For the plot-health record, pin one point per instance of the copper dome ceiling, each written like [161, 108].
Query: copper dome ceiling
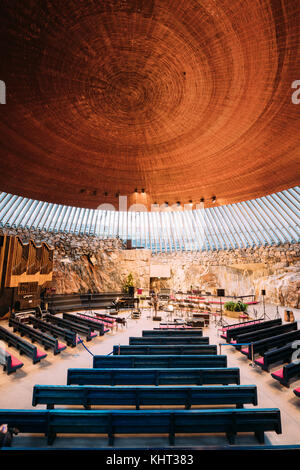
[186, 99]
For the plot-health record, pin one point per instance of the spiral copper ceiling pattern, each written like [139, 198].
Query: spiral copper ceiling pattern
[187, 99]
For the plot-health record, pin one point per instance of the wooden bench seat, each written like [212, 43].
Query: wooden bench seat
[94, 324]
[70, 337]
[167, 376]
[287, 373]
[263, 345]
[230, 332]
[176, 333]
[78, 328]
[148, 361]
[49, 342]
[10, 363]
[273, 356]
[257, 335]
[227, 421]
[23, 346]
[89, 395]
[174, 340]
[205, 349]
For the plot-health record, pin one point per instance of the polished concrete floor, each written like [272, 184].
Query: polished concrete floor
[16, 390]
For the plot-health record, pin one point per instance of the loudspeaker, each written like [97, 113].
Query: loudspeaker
[263, 292]
[131, 290]
[220, 292]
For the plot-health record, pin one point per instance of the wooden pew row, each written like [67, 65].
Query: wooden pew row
[46, 340]
[143, 362]
[175, 333]
[228, 421]
[283, 354]
[260, 347]
[265, 333]
[167, 376]
[173, 340]
[70, 337]
[93, 324]
[107, 325]
[238, 325]
[23, 346]
[81, 329]
[231, 334]
[287, 373]
[203, 349]
[10, 363]
[87, 396]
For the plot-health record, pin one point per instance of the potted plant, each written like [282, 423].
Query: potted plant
[128, 283]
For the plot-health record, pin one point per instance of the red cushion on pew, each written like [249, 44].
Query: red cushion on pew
[260, 360]
[40, 353]
[278, 373]
[15, 362]
[245, 350]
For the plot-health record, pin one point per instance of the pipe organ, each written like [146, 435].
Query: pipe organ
[25, 269]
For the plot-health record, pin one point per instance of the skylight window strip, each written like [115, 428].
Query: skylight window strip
[228, 224]
[266, 238]
[19, 216]
[255, 241]
[30, 213]
[8, 210]
[268, 222]
[282, 206]
[293, 207]
[279, 218]
[214, 230]
[218, 232]
[241, 228]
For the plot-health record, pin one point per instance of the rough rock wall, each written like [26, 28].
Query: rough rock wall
[83, 263]
[240, 272]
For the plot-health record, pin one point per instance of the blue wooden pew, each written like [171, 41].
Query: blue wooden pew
[174, 340]
[203, 349]
[168, 376]
[176, 332]
[227, 421]
[89, 395]
[148, 361]
[287, 373]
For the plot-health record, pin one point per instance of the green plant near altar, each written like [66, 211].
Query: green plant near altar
[235, 306]
[128, 283]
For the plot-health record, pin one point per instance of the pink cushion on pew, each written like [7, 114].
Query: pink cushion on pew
[297, 390]
[245, 350]
[260, 360]
[93, 334]
[278, 373]
[40, 353]
[233, 341]
[61, 345]
[15, 362]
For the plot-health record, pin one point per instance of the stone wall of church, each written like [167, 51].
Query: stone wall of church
[87, 263]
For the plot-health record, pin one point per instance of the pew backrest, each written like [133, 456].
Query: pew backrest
[23, 346]
[87, 395]
[148, 361]
[266, 333]
[167, 376]
[231, 334]
[203, 349]
[174, 340]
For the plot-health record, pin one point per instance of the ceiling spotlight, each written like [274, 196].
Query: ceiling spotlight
[166, 203]
[105, 194]
[213, 199]
[190, 201]
[202, 199]
[135, 190]
[143, 190]
[178, 203]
